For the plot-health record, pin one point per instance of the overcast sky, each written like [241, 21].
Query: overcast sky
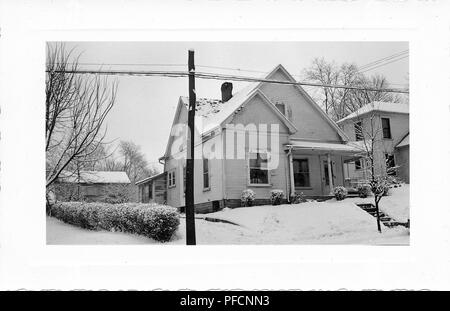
[145, 106]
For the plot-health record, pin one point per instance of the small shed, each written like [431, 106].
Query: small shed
[153, 189]
[93, 186]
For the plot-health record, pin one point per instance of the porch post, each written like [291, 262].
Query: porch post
[291, 172]
[330, 173]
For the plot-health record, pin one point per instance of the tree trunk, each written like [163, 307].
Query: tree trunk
[378, 215]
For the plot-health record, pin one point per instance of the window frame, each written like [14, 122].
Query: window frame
[358, 136]
[207, 172]
[390, 158]
[284, 108]
[308, 186]
[249, 168]
[387, 128]
[360, 166]
[171, 178]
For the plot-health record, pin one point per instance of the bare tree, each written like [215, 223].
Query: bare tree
[133, 161]
[377, 168]
[338, 103]
[76, 108]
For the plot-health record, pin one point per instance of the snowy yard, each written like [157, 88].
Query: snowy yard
[329, 222]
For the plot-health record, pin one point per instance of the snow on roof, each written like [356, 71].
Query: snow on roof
[96, 177]
[404, 141]
[214, 111]
[314, 145]
[378, 106]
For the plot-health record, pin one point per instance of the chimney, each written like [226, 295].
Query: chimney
[227, 91]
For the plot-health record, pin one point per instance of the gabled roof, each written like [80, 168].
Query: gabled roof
[378, 107]
[311, 101]
[214, 112]
[95, 177]
[404, 142]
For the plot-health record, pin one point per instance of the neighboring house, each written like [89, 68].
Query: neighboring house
[401, 153]
[92, 186]
[310, 147]
[153, 189]
[390, 124]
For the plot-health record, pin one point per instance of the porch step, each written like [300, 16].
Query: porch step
[384, 218]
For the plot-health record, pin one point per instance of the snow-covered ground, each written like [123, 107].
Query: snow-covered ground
[329, 222]
[395, 205]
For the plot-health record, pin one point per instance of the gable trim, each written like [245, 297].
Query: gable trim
[311, 101]
[291, 127]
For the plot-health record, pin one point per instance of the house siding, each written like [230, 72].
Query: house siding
[306, 118]
[399, 124]
[236, 170]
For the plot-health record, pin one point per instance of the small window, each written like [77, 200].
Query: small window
[205, 173]
[358, 131]
[258, 170]
[171, 179]
[358, 164]
[385, 122]
[301, 173]
[390, 164]
[281, 107]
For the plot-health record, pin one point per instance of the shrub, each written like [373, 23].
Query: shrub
[158, 222]
[296, 198]
[340, 193]
[276, 197]
[247, 197]
[386, 190]
[364, 190]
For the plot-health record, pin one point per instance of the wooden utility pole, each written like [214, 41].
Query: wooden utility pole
[190, 212]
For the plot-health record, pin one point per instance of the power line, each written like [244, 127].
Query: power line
[376, 62]
[384, 64]
[213, 76]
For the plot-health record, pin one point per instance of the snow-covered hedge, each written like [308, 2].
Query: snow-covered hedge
[247, 197]
[158, 222]
[340, 193]
[297, 198]
[276, 196]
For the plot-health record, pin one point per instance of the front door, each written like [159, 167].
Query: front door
[325, 175]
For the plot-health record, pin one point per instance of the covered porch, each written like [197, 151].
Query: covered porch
[315, 168]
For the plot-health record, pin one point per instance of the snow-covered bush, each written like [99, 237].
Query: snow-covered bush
[158, 222]
[364, 190]
[247, 197]
[386, 190]
[296, 198]
[340, 193]
[276, 196]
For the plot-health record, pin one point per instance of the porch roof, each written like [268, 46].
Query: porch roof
[320, 146]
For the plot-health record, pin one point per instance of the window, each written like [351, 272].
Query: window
[390, 164]
[358, 131]
[171, 178]
[281, 107]
[259, 173]
[358, 164]
[205, 173]
[385, 123]
[301, 173]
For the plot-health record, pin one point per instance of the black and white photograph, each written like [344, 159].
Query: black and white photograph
[240, 145]
[304, 143]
